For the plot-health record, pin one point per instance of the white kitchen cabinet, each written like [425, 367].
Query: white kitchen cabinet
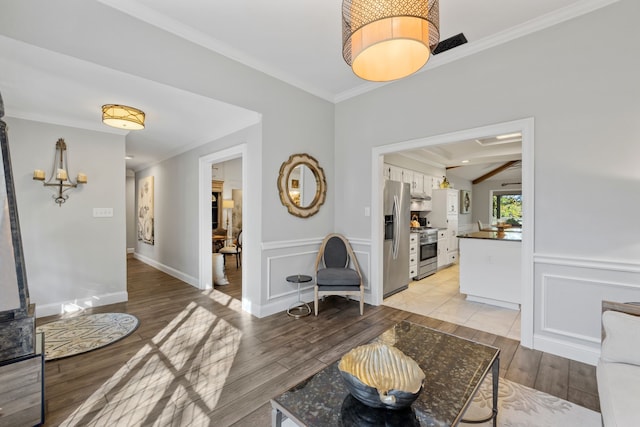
[393, 173]
[452, 235]
[417, 183]
[427, 184]
[443, 256]
[414, 238]
[452, 241]
[445, 207]
[444, 214]
[407, 176]
[386, 171]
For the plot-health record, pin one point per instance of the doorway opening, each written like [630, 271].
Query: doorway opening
[221, 208]
[525, 128]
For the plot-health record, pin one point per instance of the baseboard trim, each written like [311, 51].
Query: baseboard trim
[498, 303]
[193, 281]
[78, 304]
[581, 353]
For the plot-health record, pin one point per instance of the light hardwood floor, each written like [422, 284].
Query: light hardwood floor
[197, 359]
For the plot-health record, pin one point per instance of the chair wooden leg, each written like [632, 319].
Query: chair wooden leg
[361, 302]
[315, 300]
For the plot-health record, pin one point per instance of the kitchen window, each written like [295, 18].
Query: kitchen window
[507, 207]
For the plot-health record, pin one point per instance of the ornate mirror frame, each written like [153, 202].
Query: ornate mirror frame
[287, 167]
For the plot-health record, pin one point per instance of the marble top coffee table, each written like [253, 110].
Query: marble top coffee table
[454, 367]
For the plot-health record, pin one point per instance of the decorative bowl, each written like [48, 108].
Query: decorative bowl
[381, 376]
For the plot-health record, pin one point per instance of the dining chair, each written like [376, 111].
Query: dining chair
[337, 271]
[482, 227]
[234, 249]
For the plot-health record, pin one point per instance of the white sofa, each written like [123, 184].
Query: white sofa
[618, 370]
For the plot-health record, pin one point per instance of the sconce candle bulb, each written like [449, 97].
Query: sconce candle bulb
[38, 175]
[60, 174]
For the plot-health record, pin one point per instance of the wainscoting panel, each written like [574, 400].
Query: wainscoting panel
[279, 267]
[568, 295]
[286, 258]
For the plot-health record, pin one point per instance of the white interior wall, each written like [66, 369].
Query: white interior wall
[131, 211]
[293, 121]
[176, 187]
[72, 259]
[585, 152]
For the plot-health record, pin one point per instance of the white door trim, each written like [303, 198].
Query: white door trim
[205, 280]
[526, 126]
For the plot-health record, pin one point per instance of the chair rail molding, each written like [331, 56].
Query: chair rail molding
[286, 257]
[595, 263]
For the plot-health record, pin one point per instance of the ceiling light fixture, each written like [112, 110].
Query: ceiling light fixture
[384, 40]
[464, 161]
[122, 117]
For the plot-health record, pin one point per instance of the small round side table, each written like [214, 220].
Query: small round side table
[299, 308]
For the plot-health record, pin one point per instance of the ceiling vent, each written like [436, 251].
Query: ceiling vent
[450, 43]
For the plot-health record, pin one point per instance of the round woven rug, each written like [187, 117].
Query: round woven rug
[75, 335]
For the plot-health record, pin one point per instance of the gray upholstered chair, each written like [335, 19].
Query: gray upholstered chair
[234, 249]
[337, 271]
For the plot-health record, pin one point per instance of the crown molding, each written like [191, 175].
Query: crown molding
[175, 27]
[171, 25]
[545, 21]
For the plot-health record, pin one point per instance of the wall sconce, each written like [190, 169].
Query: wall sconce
[60, 174]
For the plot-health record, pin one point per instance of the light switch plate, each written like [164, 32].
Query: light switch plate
[102, 212]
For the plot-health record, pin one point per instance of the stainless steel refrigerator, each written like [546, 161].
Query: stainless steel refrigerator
[396, 237]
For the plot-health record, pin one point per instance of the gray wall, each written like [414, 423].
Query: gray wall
[578, 80]
[131, 210]
[293, 121]
[176, 205]
[72, 259]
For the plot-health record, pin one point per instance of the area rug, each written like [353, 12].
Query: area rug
[520, 406]
[75, 335]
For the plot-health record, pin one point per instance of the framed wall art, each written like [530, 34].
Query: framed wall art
[146, 231]
[465, 201]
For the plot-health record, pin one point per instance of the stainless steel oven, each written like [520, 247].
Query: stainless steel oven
[428, 251]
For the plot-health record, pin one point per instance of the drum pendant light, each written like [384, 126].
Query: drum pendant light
[384, 40]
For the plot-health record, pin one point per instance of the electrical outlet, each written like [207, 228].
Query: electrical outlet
[102, 212]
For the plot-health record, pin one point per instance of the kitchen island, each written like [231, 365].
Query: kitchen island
[490, 267]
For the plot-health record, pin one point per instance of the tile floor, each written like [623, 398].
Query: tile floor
[439, 296]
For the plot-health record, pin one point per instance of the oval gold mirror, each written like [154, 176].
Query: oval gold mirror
[302, 185]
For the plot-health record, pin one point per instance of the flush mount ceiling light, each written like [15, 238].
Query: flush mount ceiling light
[122, 117]
[384, 40]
